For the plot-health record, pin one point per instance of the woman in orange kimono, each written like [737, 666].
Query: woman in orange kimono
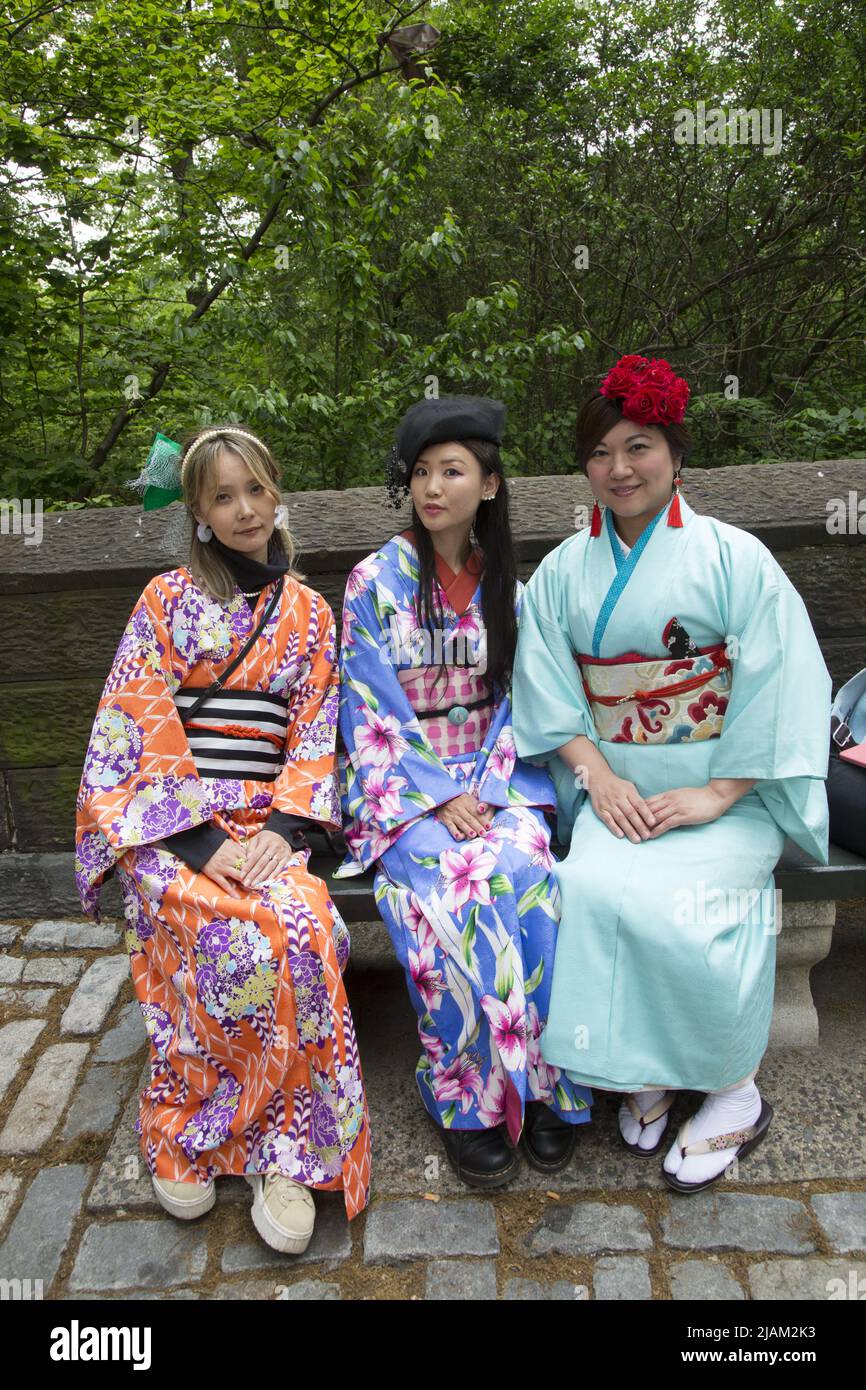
[236, 950]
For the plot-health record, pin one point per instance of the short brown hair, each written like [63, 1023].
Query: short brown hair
[600, 414]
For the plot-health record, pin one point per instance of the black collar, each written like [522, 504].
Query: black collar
[249, 573]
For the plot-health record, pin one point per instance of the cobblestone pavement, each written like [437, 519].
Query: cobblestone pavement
[78, 1218]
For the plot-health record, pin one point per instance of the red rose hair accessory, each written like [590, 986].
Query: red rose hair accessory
[650, 393]
[649, 390]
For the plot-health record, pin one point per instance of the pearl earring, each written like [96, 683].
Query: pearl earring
[203, 531]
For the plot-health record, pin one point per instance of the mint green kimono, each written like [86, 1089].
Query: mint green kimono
[665, 959]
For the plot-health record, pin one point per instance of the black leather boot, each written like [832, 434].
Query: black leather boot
[480, 1157]
[548, 1142]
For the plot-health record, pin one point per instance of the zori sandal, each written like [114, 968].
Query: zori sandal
[744, 1139]
[655, 1112]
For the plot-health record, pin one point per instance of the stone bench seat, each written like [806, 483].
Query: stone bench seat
[809, 893]
[800, 879]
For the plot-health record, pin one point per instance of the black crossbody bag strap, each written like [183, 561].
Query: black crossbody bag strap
[220, 681]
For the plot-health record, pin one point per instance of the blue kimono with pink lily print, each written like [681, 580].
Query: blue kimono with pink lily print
[473, 922]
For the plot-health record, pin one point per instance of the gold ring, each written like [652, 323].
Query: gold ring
[239, 863]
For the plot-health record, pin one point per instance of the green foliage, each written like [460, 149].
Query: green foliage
[243, 211]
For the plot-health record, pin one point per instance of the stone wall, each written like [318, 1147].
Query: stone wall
[64, 603]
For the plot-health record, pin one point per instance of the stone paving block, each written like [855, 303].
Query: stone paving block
[41, 1104]
[409, 1229]
[9, 1187]
[11, 969]
[703, 1280]
[24, 1000]
[99, 1100]
[531, 1289]
[331, 1242]
[126, 1038]
[63, 936]
[272, 1290]
[8, 933]
[141, 1296]
[16, 1040]
[461, 1280]
[54, 970]
[586, 1228]
[94, 997]
[816, 1280]
[236, 1191]
[139, 1254]
[738, 1221]
[123, 1182]
[40, 1232]
[842, 1216]
[621, 1277]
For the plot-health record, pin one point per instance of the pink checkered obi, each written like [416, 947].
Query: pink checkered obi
[462, 703]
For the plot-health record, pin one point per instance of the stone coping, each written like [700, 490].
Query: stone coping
[785, 505]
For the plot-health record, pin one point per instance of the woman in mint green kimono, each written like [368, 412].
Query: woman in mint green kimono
[668, 675]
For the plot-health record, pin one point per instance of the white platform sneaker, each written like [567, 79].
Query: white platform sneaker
[284, 1212]
[185, 1200]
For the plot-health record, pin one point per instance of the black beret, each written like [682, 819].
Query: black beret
[436, 421]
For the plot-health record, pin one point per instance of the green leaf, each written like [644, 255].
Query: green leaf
[535, 978]
[365, 693]
[533, 896]
[467, 937]
[419, 799]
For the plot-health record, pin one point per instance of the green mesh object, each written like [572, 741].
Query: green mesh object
[159, 480]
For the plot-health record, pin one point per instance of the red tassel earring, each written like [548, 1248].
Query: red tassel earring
[595, 528]
[675, 517]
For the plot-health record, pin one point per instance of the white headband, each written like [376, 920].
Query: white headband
[214, 434]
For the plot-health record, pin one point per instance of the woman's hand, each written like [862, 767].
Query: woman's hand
[696, 805]
[222, 867]
[686, 806]
[620, 805]
[267, 853]
[463, 816]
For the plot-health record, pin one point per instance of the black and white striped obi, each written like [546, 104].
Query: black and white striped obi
[236, 733]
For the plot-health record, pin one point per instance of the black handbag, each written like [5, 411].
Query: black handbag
[846, 782]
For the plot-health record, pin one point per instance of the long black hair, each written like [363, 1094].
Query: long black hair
[492, 530]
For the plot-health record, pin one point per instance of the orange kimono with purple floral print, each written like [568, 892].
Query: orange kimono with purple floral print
[254, 1061]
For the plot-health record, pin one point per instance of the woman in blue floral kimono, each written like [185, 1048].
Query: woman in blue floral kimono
[438, 800]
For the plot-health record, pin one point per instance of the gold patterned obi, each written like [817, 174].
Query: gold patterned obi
[638, 699]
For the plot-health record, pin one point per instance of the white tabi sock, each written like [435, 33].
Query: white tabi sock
[630, 1129]
[722, 1111]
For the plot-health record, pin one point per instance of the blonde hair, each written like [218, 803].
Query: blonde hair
[199, 481]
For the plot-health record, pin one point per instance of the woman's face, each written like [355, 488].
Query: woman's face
[631, 470]
[447, 485]
[241, 510]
